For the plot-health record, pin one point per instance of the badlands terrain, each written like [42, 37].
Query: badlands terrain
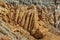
[28, 22]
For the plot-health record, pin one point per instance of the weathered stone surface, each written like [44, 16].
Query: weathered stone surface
[18, 15]
[33, 22]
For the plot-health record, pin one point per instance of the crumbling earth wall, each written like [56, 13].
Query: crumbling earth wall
[32, 19]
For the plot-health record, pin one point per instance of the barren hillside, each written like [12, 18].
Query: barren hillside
[27, 22]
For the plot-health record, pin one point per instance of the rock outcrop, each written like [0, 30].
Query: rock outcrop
[22, 22]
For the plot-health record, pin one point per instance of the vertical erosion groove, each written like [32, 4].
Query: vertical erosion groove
[30, 22]
[26, 21]
[23, 20]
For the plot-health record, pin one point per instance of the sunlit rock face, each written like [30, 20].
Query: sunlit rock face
[23, 16]
[28, 21]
